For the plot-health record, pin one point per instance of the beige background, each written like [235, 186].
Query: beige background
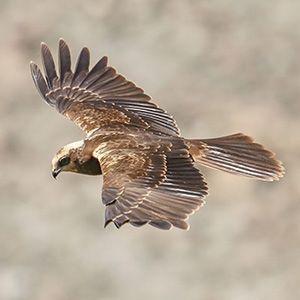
[218, 67]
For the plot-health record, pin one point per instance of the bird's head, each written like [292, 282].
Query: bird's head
[66, 159]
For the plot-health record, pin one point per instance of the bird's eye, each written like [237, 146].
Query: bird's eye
[64, 161]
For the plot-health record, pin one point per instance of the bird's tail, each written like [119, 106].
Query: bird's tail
[236, 154]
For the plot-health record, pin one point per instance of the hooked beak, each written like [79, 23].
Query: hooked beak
[55, 173]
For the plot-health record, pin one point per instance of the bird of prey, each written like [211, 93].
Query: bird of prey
[149, 172]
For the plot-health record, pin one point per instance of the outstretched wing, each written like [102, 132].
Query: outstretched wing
[148, 180]
[99, 98]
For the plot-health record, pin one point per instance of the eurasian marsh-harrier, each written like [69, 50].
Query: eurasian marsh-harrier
[149, 173]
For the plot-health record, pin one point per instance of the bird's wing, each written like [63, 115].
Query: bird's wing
[148, 180]
[98, 98]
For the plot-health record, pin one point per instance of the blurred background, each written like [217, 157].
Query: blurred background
[218, 67]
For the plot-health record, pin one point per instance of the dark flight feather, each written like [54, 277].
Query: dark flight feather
[82, 67]
[64, 62]
[49, 66]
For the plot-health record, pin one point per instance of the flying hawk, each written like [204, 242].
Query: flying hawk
[149, 172]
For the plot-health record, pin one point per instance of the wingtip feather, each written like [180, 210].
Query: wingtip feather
[64, 60]
[39, 80]
[83, 61]
[48, 64]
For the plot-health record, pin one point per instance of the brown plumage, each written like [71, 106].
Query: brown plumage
[148, 168]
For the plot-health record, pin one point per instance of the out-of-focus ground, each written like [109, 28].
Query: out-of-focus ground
[218, 67]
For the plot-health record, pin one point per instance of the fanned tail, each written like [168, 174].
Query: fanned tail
[237, 154]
